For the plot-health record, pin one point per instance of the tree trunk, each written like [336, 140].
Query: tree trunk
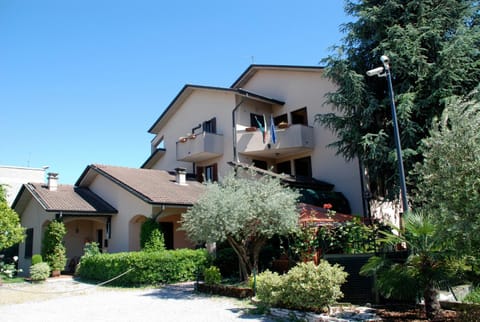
[432, 305]
[243, 258]
[257, 247]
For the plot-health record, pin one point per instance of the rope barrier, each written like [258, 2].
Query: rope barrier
[69, 291]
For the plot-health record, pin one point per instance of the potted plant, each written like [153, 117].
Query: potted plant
[53, 250]
[57, 260]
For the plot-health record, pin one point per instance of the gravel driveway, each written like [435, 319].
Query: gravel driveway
[67, 300]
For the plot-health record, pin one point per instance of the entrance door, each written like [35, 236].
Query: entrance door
[100, 238]
[167, 230]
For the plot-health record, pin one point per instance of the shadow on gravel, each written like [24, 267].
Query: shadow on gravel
[183, 291]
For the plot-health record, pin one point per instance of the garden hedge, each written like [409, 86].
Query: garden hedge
[148, 268]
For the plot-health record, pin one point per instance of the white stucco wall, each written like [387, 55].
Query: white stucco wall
[34, 216]
[300, 89]
[202, 105]
[128, 206]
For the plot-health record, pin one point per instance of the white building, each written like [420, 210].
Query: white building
[204, 133]
[13, 177]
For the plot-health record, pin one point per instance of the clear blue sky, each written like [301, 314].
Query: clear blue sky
[81, 81]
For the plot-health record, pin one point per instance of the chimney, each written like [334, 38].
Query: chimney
[181, 176]
[52, 182]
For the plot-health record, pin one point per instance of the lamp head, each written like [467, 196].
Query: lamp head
[376, 71]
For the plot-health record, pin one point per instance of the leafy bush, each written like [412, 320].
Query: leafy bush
[227, 261]
[156, 242]
[53, 250]
[91, 249]
[473, 296]
[212, 275]
[146, 230]
[304, 287]
[36, 258]
[57, 259]
[39, 271]
[269, 287]
[8, 269]
[307, 286]
[147, 268]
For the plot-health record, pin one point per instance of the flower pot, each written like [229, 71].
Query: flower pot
[251, 129]
[56, 273]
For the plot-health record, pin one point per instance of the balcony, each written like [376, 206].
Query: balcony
[293, 140]
[202, 147]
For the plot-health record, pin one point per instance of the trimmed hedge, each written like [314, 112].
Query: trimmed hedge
[148, 268]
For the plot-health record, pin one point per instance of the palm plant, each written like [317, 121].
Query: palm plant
[431, 260]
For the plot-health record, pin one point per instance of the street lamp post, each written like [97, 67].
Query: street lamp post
[381, 72]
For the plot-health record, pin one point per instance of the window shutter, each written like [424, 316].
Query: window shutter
[200, 174]
[215, 172]
[214, 124]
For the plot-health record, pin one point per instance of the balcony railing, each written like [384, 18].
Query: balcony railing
[201, 147]
[293, 140]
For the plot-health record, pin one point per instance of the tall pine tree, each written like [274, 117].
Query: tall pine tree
[433, 47]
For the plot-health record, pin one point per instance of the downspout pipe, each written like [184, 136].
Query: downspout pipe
[234, 129]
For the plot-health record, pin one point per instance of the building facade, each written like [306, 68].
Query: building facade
[205, 129]
[264, 121]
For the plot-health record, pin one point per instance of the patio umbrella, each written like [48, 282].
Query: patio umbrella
[320, 216]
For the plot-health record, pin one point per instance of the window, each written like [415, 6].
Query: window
[303, 167]
[284, 167]
[300, 116]
[29, 243]
[279, 119]
[208, 173]
[260, 164]
[254, 118]
[210, 126]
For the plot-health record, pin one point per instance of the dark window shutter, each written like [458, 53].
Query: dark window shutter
[200, 174]
[215, 172]
[214, 124]
[29, 243]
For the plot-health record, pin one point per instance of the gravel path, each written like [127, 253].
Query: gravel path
[86, 303]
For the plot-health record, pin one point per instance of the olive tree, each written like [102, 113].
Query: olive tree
[245, 211]
[449, 176]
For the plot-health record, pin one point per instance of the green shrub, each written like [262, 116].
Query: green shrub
[155, 242]
[212, 275]
[148, 268]
[269, 287]
[227, 261]
[36, 258]
[146, 230]
[473, 296]
[39, 271]
[91, 249]
[53, 250]
[311, 287]
[57, 259]
[305, 287]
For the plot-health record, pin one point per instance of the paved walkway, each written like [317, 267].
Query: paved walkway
[86, 303]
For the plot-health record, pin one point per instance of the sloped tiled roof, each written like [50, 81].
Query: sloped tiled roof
[68, 198]
[152, 186]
